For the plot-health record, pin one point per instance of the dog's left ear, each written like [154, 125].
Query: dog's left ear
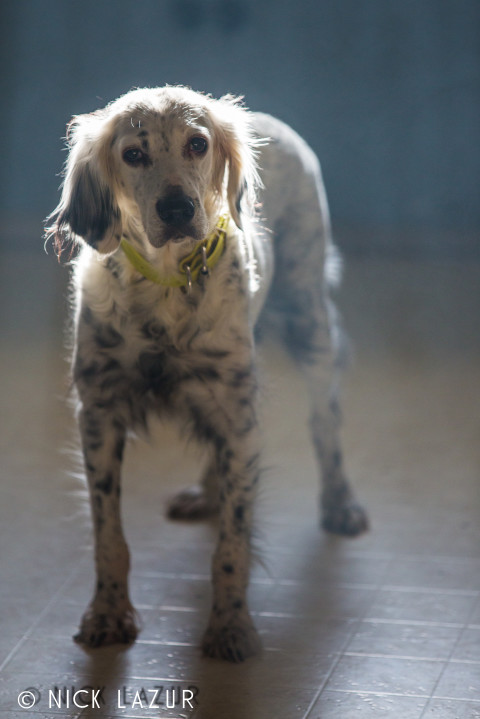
[235, 166]
[87, 209]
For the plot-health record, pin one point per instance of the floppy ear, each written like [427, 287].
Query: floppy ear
[87, 209]
[235, 167]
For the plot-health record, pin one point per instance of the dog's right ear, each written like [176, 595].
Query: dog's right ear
[87, 209]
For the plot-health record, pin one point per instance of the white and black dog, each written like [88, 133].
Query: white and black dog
[190, 213]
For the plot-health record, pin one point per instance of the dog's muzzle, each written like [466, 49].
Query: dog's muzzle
[175, 209]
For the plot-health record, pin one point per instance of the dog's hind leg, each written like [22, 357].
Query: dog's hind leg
[309, 335]
[110, 617]
[340, 512]
[296, 210]
[199, 501]
[300, 299]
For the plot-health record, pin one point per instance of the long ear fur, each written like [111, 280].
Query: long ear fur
[235, 169]
[87, 209]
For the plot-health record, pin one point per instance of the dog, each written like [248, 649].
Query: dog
[191, 215]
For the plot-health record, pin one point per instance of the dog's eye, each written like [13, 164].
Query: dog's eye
[133, 156]
[198, 145]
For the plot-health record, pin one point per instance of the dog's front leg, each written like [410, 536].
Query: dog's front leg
[110, 617]
[227, 417]
[231, 634]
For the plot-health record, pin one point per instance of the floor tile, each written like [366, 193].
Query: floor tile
[468, 647]
[407, 640]
[336, 705]
[296, 635]
[436, 573]
[423, 605]
[385, 675]
[460, 681]
[448, 709]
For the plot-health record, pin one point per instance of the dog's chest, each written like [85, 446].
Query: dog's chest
[150, 344]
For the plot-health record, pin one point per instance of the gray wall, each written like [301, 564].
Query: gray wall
[386, 91]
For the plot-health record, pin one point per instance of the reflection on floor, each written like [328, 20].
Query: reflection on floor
[385, 625]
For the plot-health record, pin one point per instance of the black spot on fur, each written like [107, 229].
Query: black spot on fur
[105, 485]
[151, 365]
[97, 505]
[112, 383]
[103, 404]
[239, 377]
[111, 365]
[157, 374]
[86, 316]
[104, 373]
[246, 427]
[239, 512]
[85, 373]
[215, 354]
[106, 337]
[203, 429]
[228, 568]
[301, 336]
[91, 425]
[206, 373]
[166, 141]
[118, 449]
[216, 610]
[336, 459]
[224, 461]
[152, 330]
[111, 265]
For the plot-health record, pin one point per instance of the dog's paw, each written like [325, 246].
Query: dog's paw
[101, 628]
[234, 641]
[347, 519]
[191, 503]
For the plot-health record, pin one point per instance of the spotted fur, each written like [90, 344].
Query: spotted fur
[157, 167]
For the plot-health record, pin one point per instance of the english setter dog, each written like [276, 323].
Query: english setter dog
[191, 212]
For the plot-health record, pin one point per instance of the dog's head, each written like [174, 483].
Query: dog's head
[163, 163]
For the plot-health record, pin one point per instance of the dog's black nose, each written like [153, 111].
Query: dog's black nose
[175, 209]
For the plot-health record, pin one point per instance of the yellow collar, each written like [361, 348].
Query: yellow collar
[201, 260]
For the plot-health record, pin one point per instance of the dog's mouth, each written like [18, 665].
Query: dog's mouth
[174, 234]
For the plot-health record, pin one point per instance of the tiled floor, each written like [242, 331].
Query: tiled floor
[385, 625]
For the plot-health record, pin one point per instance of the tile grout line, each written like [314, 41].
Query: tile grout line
[448, 661]
[376, 693]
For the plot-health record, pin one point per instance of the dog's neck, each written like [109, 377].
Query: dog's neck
[200, 261]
